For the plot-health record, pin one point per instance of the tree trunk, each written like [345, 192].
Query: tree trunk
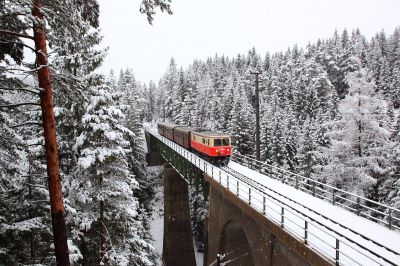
[53, 171]
[359, 126]
[83, 247]
[102, 239]
[32, 234]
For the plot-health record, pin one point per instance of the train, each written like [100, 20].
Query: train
[210, 145]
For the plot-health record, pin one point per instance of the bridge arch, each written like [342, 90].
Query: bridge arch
[234, 224]
[234, 244]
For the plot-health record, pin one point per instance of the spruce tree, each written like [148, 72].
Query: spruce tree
[357, 162]
[107, 211]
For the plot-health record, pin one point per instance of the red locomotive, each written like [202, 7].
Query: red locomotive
[213, 146]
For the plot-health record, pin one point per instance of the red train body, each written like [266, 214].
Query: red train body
[215, 147]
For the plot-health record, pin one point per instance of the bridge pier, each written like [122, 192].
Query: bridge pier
[178, 238]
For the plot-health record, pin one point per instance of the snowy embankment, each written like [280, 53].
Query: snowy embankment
[359, 229]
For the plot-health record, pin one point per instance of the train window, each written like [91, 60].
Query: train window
[225, 142]
[217, 142]
[204, 141]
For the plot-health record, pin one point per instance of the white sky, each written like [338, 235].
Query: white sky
[202, 28]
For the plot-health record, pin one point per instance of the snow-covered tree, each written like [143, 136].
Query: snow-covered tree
[357, 161]
[242, 125]
[106, 211]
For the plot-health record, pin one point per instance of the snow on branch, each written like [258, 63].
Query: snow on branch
[19, 43]
[148, 7]
[18, 105]
[20, 89]
[26, 124]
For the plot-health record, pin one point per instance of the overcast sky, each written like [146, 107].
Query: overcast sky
[203, 28]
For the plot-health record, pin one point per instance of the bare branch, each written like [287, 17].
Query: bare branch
[20, 89]
[26, 124]
[16, 34]
[18, 105]
[35, 144]
[19, 43]
[30, 175]
[35, 185]
[17, 69]
[20, 14]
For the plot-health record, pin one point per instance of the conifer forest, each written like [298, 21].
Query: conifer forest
[329, 111]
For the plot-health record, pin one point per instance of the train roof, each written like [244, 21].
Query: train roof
[207, 133]
[183, 128]
[166, 124]
[171, 125]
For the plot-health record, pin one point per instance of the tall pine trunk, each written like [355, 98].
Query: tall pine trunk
[102, 238]
[53, 171]
[102, 229]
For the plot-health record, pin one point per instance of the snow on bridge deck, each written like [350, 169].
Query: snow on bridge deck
[330, 216]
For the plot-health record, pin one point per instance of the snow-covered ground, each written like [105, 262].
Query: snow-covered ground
[199, 255]
[157, 222]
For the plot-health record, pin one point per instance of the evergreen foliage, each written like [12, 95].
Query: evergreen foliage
[99, 140]
[308, 107]
[329, 111]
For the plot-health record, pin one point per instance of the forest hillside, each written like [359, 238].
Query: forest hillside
[329, 111]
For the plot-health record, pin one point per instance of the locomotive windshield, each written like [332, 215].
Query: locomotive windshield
[221, 142]
[217, 142]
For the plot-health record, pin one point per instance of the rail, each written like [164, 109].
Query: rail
[330, 243]
[362, 206]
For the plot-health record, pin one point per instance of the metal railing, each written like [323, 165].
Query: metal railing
[372, 210]
[262, 188]
[329, 242]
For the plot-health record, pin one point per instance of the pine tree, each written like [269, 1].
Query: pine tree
[105, 187]
[150, 108]
[356, 157]
[189, 102]
[394, 86]
[180, 96]
[59, 26]
[307, 149]
[242, 124]
[25, 225]
[168, 86]
[203, 106]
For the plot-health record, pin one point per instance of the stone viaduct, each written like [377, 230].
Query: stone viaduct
[234, 229]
